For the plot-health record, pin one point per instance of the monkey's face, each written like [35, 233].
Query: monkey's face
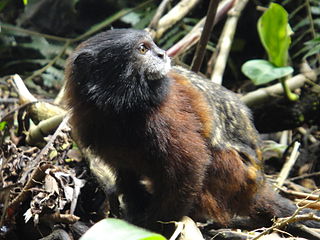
[152, 61]
[135, 53]
[122, 70]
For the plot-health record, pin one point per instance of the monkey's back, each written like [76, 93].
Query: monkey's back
[235, 174]
[232, 125]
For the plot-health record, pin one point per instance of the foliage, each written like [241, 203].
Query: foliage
[42, 57]
[274, 32]
[305, 21]
[262, 71]
[312, 47]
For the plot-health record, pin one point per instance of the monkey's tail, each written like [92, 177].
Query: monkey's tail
[269, 204]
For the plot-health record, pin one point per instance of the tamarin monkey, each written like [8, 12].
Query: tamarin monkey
[192, 139]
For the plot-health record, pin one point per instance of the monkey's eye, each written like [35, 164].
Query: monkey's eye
[143, 49]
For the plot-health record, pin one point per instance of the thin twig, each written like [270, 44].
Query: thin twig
[226, 40]
[300, 195]
[281, 222]
[24, 94]
[262, 95]
[174, 15]
[286, 137]
[155, 20]
[8, 100]
[186, 42]
[60, 218]
[310, 203]
[37, 133]
[39, 110]
[29, 32]
[304, 132]
[19, 108]
[288, 165]
[194, 35]
[307, 175]
[208, 26]
[178, 230]
[309, 230]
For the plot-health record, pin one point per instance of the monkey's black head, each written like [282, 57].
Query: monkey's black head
[121, 70]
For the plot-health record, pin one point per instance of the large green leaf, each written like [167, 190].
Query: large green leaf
[274, 32]
[115, 229]
[262, 71]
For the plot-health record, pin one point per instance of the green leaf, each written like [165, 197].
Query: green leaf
[274, 32]
[262, 71]
[3, 124]
[116, 229]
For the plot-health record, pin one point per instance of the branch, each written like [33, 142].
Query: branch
[37, 133]
[39, 110]
[187, 41]
[24, 95]
[194, 35]
[174, 15]
[288, 165]
[60, 218]
[225, 41]
[155, 20]
[282, 222]
[262, 95]
[208, 26]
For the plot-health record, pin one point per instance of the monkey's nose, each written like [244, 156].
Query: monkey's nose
[160, 53]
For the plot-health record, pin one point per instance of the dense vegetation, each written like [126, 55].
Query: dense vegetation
[47, 188]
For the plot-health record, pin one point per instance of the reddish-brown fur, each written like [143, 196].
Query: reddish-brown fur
[229, 183]
[193, 141]
[198, 103]
[218, 183]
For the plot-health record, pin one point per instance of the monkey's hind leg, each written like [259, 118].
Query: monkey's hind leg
[134, 195]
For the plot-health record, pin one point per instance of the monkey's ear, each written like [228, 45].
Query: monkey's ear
[83, 64]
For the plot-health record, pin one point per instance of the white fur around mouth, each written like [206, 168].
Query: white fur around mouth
[167, 66]
[159, 71]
